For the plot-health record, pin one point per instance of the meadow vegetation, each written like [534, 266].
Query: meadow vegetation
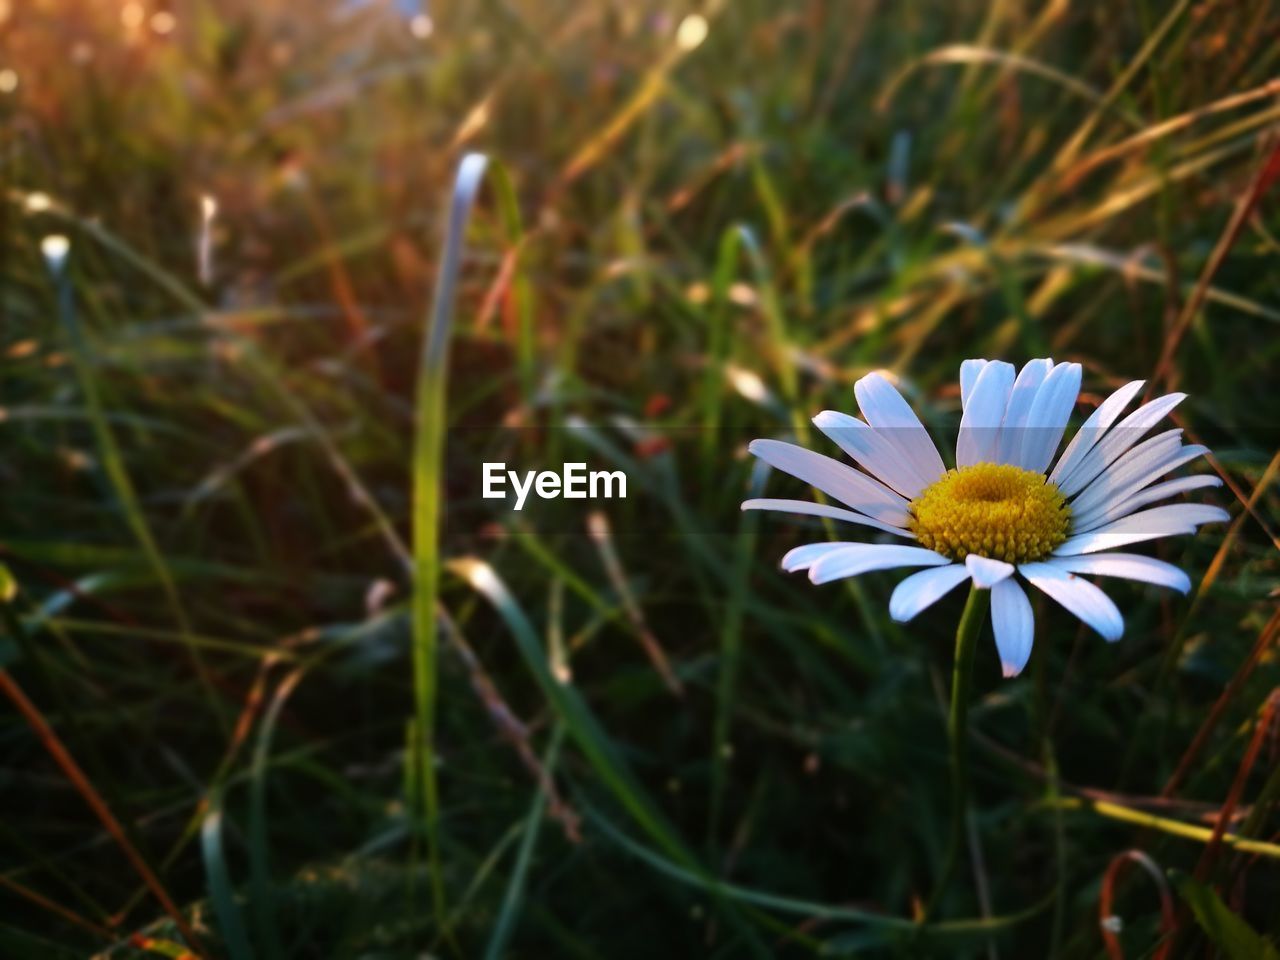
[258, 615]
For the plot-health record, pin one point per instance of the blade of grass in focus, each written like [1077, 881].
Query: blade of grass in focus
[427, 514]
[428, 456]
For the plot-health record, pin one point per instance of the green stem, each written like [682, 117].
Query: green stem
[975, 611]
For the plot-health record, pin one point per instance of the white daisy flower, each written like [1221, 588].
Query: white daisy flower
[1001, 510]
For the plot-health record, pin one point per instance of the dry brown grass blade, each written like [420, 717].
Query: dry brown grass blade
[239, 735]
[1214, 569]
[44, 903]
[1249, 502]
[1265, 639]
[62, 757]
[1156, 131]
[600, 145]
[497, 290]
[598, 527]
[726, 160]
[1171, 805]
[512, 729]
[1076, 143]
[1266, 175]
[1264, 728]
[343, 288]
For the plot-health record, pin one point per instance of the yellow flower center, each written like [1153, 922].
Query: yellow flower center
[993, 510]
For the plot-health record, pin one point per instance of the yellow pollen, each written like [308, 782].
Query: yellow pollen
[993, 510]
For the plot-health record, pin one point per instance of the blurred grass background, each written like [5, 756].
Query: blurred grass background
[704, 225]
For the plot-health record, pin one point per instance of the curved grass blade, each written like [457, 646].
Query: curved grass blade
[503, 926]
[1072, 147]
[579, 720]
[221, 890]
[113, 465]
[427, 463]
[1220, 924]
[890, 927]
[427, 460]
[485, 870]
[581, 723]
[968, 54]
[262, 896]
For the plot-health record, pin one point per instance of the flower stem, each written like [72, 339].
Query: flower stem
[975, 610]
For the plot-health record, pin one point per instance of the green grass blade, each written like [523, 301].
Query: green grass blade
[579, 720]
[731, 651]
[260, 884]
[503, 926]
[891, 927]
[1225, 928]
[117, 473]
[221, 890]
[718, 340]
[427, 460]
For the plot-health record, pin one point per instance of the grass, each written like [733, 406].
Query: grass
[338, 705]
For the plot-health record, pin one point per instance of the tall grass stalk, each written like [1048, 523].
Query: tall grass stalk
[428, 456]
[117, 472]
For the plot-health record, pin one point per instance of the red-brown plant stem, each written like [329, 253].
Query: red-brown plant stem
[40, 900]
[1168, 917]
[1265, 720]
[1266, 175]
[67, 763]
[344, 290]
[1228, 694]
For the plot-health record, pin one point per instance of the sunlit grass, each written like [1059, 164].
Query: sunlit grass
[241, 506]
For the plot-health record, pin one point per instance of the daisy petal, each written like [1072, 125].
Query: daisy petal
[1117, 492]
[1047, 420]
[1093, 429]
[1160, 491]
[803, 557]
[979, 437]
[1080, 597]
[969, 371]
[986, 572]
[883, 407]
[810, 509]
[864, 557]
[923, 589]
[873, 451]
[1130, 566]
[1127, 475]
[1023, 395]
[1126, 433]
[1014, 626]
[1167, 521]
[835, 479]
